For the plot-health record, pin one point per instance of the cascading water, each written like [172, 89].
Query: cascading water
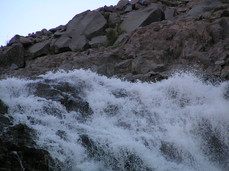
[92, 123]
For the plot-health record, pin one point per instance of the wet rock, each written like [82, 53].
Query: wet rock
[215, 148]
[143, 17]
[19, 152]
[173, 153]
[39, 49]
[64, 93]
[3, 107]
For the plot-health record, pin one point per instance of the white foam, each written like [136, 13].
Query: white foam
[137, 121]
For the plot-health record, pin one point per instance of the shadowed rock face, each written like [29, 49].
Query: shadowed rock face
[18, 150]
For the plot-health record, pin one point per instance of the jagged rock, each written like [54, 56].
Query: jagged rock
[13, 54]
[108, 8]
[121, 4]
[61, 44]
[3, 107]
[64, 93]
[39, 49]
[98, 41]
[59, 28]
[142, 18]
[46, 32]
[84, 26]
[25, 41]
[18, 151]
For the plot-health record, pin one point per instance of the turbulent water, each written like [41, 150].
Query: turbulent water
[181, 123]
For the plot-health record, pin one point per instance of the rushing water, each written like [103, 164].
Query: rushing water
[177, 124]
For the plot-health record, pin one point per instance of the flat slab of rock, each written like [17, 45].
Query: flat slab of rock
[89, 23]
[78, 43]
[39, 49]
[143, 17]
[204, 6]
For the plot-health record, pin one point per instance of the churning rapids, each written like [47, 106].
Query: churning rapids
[92, 123]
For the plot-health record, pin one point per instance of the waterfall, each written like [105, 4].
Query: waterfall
[89, 122]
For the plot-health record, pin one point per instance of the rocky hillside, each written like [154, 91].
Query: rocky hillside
[137, 39]
[140, 39]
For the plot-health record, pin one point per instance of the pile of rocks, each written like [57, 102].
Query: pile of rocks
[146, 36]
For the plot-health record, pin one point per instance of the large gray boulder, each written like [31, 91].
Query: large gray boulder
[89, 24]
[39, 49]
[83, 27]
[143, 17]
[78, 43]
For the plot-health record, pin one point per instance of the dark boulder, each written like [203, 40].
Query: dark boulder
[3, 107]
[25, 41]
[19, 152]
[12, 55]
[64, 93]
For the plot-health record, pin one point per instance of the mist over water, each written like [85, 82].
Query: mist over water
[181, 123]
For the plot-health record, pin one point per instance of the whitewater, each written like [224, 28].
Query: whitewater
[180, 123]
